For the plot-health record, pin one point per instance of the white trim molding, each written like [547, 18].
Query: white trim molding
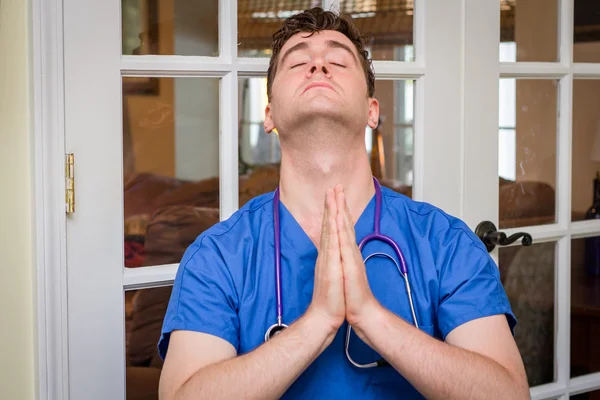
[48, 198]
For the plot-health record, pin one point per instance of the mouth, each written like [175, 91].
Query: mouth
[317, 85]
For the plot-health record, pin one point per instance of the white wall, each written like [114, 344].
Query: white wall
[17, 328]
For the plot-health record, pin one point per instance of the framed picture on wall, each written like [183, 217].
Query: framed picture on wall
[139, 29]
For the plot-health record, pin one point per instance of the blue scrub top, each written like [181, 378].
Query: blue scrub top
[225, 286]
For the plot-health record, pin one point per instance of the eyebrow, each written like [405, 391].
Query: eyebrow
[334, 44]
[338, 45]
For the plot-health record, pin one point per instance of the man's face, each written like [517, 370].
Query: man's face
[319, 76]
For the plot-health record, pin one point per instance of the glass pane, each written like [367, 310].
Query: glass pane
[258, 20]
[170, 27]
[389, 24]
[144, 313]
[527, 274]
[390, 146]
[527, 151]
[529, 30]
[585, 306]
[586, 35]
[259, 153]
[595, 395]
[171, 166]
[586, 150]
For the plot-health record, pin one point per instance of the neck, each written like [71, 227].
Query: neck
[304, 180]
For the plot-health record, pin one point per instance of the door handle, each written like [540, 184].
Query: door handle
[489, 235]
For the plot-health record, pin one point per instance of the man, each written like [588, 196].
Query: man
[321, 88]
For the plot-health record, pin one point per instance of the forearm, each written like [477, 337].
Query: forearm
[266, 372]
[439, 370]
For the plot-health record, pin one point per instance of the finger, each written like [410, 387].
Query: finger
[348, 219]
[350, 264]
[333, 229]
[339, 199]
[344, 234]
[339, 190]
[325, 223]
[350, 254]
[344, 211]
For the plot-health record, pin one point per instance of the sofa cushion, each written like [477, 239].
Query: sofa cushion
[141, 191]
[262, 179]
[525, 201]
[172, 229]
[203, 193]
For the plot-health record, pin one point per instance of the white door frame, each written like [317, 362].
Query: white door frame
[48, 188]
[481, 160]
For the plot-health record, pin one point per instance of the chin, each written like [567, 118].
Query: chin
[321, 116]
[318, 112]
[321, 106]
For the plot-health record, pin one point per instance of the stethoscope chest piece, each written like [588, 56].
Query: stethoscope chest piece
[274, 330]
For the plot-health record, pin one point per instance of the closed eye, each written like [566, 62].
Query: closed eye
[297, 65]
[339, 65]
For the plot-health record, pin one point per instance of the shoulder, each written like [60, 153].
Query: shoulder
[425, 219]
[242, 222]
[233, 237]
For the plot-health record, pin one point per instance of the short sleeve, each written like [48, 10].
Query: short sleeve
[470, 285]
[203, 298]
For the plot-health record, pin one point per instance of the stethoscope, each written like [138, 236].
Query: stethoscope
[278, 327]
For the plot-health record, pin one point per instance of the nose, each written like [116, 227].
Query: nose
[318, 65]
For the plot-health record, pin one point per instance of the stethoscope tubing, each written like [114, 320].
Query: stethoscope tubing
[279, 325]
[278, 260]
[376, 235]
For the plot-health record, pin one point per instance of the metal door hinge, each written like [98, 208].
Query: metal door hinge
[70, 183]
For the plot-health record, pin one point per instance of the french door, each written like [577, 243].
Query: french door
[543, 158]
[163, 101]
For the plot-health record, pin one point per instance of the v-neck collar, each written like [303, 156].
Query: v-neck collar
[300, 242]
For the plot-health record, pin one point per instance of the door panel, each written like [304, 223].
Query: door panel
[149, 27]
[533, 26]
[528, 161]
[93, 133]
[528, 276]
[544, 168]
[171, 154]
[585, 306]
[586, 145]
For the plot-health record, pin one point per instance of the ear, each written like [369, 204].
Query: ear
[373, 113]
[268, 124]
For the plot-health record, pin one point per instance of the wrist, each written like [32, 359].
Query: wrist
[374, 318]
[324, 326]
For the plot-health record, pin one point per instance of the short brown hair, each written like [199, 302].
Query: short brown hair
[316, 20]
